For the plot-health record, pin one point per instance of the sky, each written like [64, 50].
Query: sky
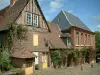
[87, 10]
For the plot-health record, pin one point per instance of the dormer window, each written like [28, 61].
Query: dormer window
[35, 22]
[29, 19]
[58, 19]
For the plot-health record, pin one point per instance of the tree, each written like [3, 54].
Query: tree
[97, 39]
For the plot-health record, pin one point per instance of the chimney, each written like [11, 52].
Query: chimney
[12, 2]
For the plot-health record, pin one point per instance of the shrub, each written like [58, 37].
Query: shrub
[5, 62]
[56, 58]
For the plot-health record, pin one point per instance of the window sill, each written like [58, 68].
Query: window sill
[78, 45]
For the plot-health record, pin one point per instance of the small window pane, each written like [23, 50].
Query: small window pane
[35, 20]
[29, 19]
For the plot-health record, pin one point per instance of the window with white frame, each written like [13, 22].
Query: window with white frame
[35, 20]
[29, 19]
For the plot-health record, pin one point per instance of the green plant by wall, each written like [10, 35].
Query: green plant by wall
[21, 31]
[85, 51]
[56, 58]
[75, 56]
[5, 62]
[16, 30]
[5, 53]
[59, 56]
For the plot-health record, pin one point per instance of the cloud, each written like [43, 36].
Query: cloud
[97, 17]
[98, 26]
[52, 5]
[70, 11]
[55, 5]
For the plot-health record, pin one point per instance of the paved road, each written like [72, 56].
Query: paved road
[72, 71]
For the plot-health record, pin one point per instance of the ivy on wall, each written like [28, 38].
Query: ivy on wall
[16, 30]
[59, 57]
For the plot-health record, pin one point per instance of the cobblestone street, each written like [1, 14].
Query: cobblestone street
[71, 71]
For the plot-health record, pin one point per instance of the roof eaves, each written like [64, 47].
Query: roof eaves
[43, 15]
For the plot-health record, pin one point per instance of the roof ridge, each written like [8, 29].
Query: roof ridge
[66, 17]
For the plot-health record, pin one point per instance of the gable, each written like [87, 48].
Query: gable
[33, 9]
[17, 13]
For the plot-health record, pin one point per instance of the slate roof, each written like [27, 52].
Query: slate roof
[72, 21]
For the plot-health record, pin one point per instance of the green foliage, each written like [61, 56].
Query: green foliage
[21, 31]
[56, 58]
[85, 53]
[75, 55]
[5, 62]
[97, 39]
[15, 30]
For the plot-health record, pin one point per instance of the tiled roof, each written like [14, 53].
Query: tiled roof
[54, 37]
[12, 14]
[3, 10]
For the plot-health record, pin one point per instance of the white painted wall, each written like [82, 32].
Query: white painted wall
[36, 58]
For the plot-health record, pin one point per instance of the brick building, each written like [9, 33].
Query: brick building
[42, 36]
[74, 32]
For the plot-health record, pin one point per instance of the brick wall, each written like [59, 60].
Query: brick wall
[85, 38]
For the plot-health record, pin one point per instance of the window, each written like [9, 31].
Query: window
[77, 38]
[29, 62]
[82, 39]
[35, 22]
[86, 39]
[89, 39]
[67, 42]
[29, 18]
